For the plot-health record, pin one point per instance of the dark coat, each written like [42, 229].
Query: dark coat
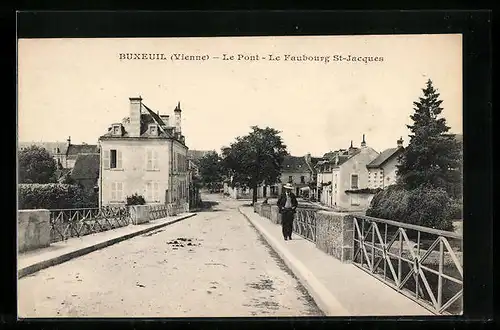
[282, 201]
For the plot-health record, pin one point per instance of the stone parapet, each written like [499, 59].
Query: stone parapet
[139, 214]
[33, 229]
[335, 234]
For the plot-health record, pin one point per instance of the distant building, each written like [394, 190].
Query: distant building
[64, 153]
[144, 154]
[300, 172]
[382, 170]
[342, 176]
[195, 155]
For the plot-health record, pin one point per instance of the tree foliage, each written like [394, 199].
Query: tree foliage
[433, 156]
[211, 170]
[36, 165]
[255, 158]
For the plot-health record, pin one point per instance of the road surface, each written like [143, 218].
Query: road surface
[214, 264]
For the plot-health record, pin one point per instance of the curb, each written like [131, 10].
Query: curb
[321, 295]
[28, 270]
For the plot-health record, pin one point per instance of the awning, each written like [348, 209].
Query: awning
[304, 188]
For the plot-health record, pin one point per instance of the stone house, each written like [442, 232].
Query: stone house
[343, 176]
[382, 170]
[144, 154]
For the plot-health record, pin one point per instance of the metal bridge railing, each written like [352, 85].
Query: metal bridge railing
[422, 263]
[67, 223]
[304, 223]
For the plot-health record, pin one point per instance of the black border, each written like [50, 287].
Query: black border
[476, 29]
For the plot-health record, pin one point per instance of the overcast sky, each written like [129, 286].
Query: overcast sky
[78, 87]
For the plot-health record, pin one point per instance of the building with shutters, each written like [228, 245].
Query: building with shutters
[382, 171]
[144, 154]
[343, 178]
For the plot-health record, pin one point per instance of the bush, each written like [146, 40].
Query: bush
[53, 196]
[424, 206]
[456, 212]
[135, 199]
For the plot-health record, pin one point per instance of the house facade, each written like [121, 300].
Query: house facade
[299, 172]
[342, 176]
[382, 171]
[146, 155]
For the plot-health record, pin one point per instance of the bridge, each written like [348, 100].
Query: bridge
[230, 260]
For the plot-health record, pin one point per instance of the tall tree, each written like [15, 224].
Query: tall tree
[36, 165]
[255, 158]
[433, 155]
[211, 170]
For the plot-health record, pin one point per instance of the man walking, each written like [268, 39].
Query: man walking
[287, 205]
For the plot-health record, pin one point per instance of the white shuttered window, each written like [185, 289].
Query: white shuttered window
[153, 191]
[116, 191]
[152, 160]
[105, 158]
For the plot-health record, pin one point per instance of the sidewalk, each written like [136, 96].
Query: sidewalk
[59, 252]
[338, 289]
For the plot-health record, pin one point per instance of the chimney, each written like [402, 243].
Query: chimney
[363, 143]
[135, 116]
[69, 140]
[165, 119]
[400, 142]
[177, 113]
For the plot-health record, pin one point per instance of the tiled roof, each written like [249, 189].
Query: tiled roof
[343, 156]
[86, 167]
[294, 164]
[148, 116]
[75, 149]
[384, 157]
[197, 154]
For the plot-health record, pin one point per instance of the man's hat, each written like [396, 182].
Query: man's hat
[288, 186]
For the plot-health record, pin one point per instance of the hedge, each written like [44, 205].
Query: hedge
[54, 196]
[424, 206]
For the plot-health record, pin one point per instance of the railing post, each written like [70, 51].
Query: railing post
[373, 247]
[400, 255]
[385, 253]
[440, 278]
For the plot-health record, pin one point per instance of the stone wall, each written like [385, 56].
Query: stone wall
[275, 215]
[335, 234]
[33, 231]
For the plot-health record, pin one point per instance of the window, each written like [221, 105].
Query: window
[302, 179]
[290, 179]
[116, 130]
[116, 191]
[152, 160]
[112, 158]
[153, 191]
[152, 130]
[354, 181]
[354, 199]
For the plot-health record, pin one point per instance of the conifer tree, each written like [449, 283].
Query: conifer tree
[433, 156]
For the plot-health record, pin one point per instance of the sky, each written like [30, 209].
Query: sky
[78, 87]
